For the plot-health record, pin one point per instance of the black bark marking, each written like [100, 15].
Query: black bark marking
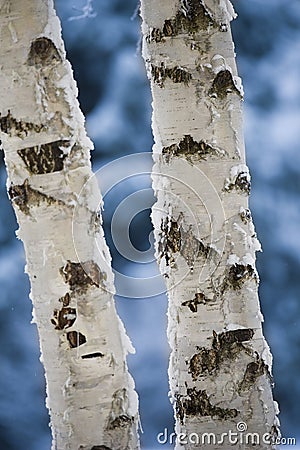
[199, 299]
[43, 52]
[197, 403]
[63, 318]
[245, 215]
[223, 84]
[232, 336]
[100, 447]
[24, 196]
[170, 239]
[190, 248]
[226, 345]
[121, 421]
[241, 183]
[223, 27]
[191, 18]
[81, 276]
[188, 148]
[173, 239]
[175, 74]
[254, 370]
[92, 355]
[204, 250]
[237, 275]
[96, 222]
[155, 35]
[19, 194]
[274, 433]
[45, 158]
[168, 28]
[66, 299]
[14, 127]
[75, 339]
[203, 362]
[196, 14]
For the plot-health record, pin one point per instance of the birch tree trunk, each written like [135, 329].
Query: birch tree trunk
[220, 364]
[90, 394]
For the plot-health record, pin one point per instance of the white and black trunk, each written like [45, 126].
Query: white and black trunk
[90, 394]
[220, 364]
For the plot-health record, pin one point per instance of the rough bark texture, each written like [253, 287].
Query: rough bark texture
[90, 394]
[220, 364]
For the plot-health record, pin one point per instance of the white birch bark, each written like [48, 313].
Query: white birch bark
[220, 364]
[90, 394]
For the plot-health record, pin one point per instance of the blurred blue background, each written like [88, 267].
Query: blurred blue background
[114, 94]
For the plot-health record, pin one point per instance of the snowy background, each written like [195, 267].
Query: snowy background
[114, 94]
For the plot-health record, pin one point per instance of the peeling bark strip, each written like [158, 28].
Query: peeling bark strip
[47, 154]
[45, 158]
[188, 147]
[212, 235]
[197, 403]
[175, 74]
